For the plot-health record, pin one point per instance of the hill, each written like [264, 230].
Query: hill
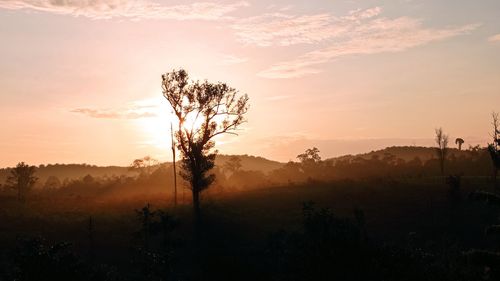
[248, 162]
[406, 153]
[251, 163]
[77, 171]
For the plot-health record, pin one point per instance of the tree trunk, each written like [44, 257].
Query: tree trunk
[175, 178]
[196, 212]
[173, 163]
[495, 173]
[197, 261]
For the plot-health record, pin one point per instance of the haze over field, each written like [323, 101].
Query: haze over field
[80, 80]
[198, 140]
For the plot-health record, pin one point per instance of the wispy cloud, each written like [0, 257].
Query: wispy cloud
[360, 32]
[139, 9]
[123, 113]
[231, 59]
[285, 29]
[494, 38]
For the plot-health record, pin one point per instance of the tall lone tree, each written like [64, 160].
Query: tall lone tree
[22, 178]
[204, 110]
[442, 148]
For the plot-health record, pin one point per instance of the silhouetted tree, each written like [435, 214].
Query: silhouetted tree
[496, 129]
[154, 263]
[22, 179]
[144, 165]
[145, 215]
[495, 158]
[204, 110]
[493, 148]
[442, 147]
[459, 142]
[310, 161]
[310, 155]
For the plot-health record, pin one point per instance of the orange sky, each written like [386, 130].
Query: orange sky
[80, 80]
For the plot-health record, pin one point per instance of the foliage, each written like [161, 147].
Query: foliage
[310, 155]
[36, 259]
[22, 178]
[151, 263]
[460, 142]
[495, 155]
[144, 166]
[204, 110]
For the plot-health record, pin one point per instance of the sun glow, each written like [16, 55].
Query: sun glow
[155, 129]
[192, 122]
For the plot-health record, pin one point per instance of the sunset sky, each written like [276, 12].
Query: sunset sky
[80, 81]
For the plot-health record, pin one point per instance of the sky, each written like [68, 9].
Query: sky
[80, 81]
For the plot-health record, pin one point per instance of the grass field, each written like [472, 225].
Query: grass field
[394, 211]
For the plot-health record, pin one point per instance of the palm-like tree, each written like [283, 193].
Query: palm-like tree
[459, 142]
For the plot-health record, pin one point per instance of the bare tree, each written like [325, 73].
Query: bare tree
[493, 148]
[204, 110]
[496, 130]
[459, 142]
[442, 147]
[22, 179]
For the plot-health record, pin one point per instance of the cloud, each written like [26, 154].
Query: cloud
[494, 38]
[231, 59]
[361, 32]
[139, 9]
[282, 29]
[130, 113]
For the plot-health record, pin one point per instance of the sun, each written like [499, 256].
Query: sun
[155, 129]
[193, 122]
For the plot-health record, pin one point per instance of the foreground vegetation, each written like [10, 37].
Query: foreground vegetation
[356, 230]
